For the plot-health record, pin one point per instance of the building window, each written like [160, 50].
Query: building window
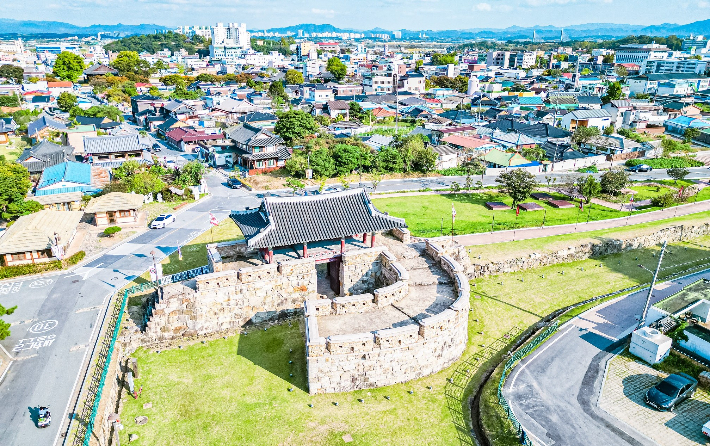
[259, 164]
[124, 213]
[16, 257]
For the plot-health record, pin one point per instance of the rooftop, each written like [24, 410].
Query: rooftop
[36, 231]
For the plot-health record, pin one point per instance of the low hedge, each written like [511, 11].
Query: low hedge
[7, 272]
[666, 163]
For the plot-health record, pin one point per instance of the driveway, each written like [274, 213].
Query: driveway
[58, 316]
[554, 392]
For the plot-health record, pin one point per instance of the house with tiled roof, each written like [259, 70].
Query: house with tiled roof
[469, 143]
[115, 208]
[258, 150]
[68, 176]
[600, 119]
[113, 149]
[99, 123]
[40, 237]
[7, 128]
[259, 119]
[100, 70]
[43, 155]
[74, 137]
[187, 139]
[43, 126]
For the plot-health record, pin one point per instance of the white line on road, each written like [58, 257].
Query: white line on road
[549, 344]
[7, 353]
[82, 310]
[86, 273]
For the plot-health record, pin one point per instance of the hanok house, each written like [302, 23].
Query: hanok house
[100, 70]
[43, 126]
[258, 150]
[111, 149]
[43, 155]
[115, 208]
[38, 237]
[187, 139]
[7, 128]
[321, 227]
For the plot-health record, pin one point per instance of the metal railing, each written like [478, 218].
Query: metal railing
[90, 407]
[517, 356]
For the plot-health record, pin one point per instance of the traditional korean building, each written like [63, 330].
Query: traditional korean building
[321, 227]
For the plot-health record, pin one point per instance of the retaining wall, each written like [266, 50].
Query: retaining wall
[587, 250]
[365, 360]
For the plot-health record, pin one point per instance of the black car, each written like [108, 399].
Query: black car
[234, 183]
[156, 147]
[670, 392]
[640, 168]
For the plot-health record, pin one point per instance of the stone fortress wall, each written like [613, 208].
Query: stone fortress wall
[346, 362]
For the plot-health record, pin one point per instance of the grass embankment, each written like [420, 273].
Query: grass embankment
[424, 214]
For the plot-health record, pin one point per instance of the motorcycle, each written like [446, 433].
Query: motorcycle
[45, 418]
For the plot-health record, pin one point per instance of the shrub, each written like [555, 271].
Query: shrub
[589, 169]
[457, 171]
[31, 268]
[74, 259]
[663, 201]
[666, 163]
[111, 230]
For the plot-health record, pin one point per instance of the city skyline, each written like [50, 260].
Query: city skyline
[386, 14]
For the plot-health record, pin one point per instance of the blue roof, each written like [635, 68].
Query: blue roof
[530, 100]
[42, 123]
[68, 171]
[64, 190]
[700, 124]
[682, 121]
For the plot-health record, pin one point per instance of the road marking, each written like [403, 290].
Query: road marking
[22, 358]
[86, 273]
[43, 326]
[549, 344]
[34, 343]
[40, 283]
[83, 310]
[77, 347]
[10, 287]
[27, 321]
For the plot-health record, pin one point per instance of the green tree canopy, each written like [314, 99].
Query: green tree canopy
[12, 73]
[129, 64]
[589, 187]
[536, 153]
[174, 79]
[14, 185]
[4, 326]
[443, 59]
[66, 101]
[337, 68]
[68, 66]
[348, 158]
[295, 124]
[614, 180]
[613, 93]
[678, 173]
[294, 77]
[517, 183]
[582, 135]
[98, 111]
[190, 174]
[277, 90]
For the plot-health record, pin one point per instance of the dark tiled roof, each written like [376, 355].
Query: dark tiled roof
[254, 136]
[99, 69]
[295, 220]
[257, 117]
[97, 122]
[112, 144]
[282, 154]
[42, 123]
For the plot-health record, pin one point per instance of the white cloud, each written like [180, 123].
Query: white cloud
[324, 12]
[482, 7]
[703, 4]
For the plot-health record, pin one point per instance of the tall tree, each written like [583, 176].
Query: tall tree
[589, 187]
[4, 326]
[128, 63]
[518, 184]
[68, 66]
[12, 73]
[613, 93]
[337, 68]
[295, 124]
[14, 184]
[614, 180]
[66, 101]
[294, 77]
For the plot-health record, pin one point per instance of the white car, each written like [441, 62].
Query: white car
[162, 221]
[706, 429]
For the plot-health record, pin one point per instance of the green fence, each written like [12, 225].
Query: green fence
[517, 356]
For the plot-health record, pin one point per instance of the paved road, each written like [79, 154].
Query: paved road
[554, 391]
[57, 317]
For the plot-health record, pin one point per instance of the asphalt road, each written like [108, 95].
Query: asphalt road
[57, 316]
[554, 391]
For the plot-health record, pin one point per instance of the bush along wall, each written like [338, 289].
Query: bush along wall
[7, 272]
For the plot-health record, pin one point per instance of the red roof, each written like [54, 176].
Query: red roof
[142, 84]
[466, 141]
[327, 43]
[465, 128]
[630, 66]
[190, 135]
[60, 84]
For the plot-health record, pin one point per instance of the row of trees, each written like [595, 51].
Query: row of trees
[133, 176]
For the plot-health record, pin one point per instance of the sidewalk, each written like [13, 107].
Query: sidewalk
[486, 238]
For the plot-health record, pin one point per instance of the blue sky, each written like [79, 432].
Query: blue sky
[363, 14]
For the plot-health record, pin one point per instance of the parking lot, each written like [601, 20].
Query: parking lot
[622, 396]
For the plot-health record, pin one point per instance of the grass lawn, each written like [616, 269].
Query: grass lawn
[194, 254]
[648, 192]
[12, 150]
[424, 213]
[236, 390]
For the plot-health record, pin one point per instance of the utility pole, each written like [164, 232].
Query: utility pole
[653, 283]
[396, 92]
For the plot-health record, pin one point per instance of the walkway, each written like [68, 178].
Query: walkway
[554, 391]
[486, 238]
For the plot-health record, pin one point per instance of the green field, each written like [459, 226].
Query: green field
[236, 390]
[425, 213]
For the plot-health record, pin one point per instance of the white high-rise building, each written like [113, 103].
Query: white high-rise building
[229, 41]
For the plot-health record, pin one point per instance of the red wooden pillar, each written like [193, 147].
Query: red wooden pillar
[364, 237]
[305, 250]
[372, 240]
[270, 255]
[342, 246]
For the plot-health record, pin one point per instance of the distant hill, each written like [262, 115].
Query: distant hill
[24, 27]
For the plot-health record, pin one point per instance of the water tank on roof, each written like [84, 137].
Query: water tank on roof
[650, 345]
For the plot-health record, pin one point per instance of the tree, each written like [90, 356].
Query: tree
[418, 65]
[589, 187]
[322, 163]
[205, 77]
[295, 185]
[424, 159]
[608, 58]
[12, 73]
[678, 173]
[129, 64]
[613, 93]
[586, 71]
[517, 184]
[348, 158]
[389, 159]
[160, 65]
[4, 326]
[111, 230]
[295, 124]
[621, 71]
[153, 91]
[277, 90]
[66, 101]
[582, 135]
[614, 180]
[376, 180]
[173, 79]
[11, 100]
[690, 134]
[14, 184]
[182, 93]
[294, 77]
[642, 96]
[443, 59]
[337, 68]
[68, 66]
[536, 153]
[190, 174]
[609, 130]
[98, 111]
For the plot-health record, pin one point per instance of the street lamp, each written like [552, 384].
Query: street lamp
[653, 283]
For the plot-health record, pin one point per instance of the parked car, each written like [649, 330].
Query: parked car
[670, 392]
[706, 429]
[234, 183]
[640, 168]
[162, 221]
[156, 147]
[331, 189]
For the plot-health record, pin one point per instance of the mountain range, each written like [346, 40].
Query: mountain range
[584, 31]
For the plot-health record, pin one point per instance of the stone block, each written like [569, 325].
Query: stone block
[391, 294]
[350, 343]
[319, 307]
[258, 273]
[396, 337]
